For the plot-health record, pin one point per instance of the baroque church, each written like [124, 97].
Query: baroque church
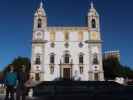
[72, 53]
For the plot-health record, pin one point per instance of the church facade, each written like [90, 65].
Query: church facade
[73, 53]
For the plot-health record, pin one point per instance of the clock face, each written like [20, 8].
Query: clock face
[39, 35]
[94, 35]
[94, 50]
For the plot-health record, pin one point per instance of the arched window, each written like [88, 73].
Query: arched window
[66, 58]
[81, 59]
[52, 58]
[93, 23]
[39, 23]
[95, 59]
[38, 59]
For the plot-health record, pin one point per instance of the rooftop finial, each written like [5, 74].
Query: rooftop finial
[92, 5]
[41, 4]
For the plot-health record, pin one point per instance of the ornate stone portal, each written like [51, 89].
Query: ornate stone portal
[66, 52]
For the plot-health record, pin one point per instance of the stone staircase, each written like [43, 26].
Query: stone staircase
[91, 90]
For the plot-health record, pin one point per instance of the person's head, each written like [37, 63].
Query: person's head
[23, 68]
[11, 68]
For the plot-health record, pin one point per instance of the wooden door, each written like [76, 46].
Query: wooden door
[96, 76]
[67, 73]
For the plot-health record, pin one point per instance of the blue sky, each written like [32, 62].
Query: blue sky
[16, 21]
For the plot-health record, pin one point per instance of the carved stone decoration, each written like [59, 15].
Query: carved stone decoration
[80, 44]
[66, 44]
[52, 45]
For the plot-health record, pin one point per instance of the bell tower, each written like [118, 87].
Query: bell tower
[40, 18]
[93, 19]
[95, 45]
[93, 23]
[38, 44]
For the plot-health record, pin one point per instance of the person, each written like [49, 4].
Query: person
[76, 76]
[21, 88]
[10, 83]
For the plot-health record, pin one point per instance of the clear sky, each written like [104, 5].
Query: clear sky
[16, 21]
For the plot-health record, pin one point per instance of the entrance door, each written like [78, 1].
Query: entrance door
[66, 73]
[37, 77]
[96, 76]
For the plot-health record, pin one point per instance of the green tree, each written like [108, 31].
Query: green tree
[1, 75]
[18, 62]
[127, 72]
[111, 68]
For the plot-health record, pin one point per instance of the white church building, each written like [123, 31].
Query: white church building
[72, 53]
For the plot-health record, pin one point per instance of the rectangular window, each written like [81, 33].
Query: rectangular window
[52, 59]
[66, 59]
[39, 23]
[95, 59]
[81, 59]
[38, 61]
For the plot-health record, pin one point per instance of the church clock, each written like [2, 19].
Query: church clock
[39, 35]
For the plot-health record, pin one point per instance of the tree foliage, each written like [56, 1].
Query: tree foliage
[113, 68]
[1, 75]
[17, 64]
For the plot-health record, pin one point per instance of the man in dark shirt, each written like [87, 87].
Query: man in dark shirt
[10, 83]
[21, 89]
